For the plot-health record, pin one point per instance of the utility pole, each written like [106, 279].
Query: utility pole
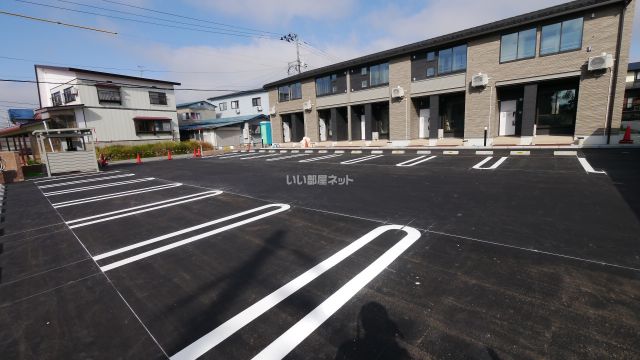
[298, 64]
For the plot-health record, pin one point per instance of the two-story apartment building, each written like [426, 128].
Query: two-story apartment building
[121, 109]
[250, 102]
[547, 77]
[631, 104]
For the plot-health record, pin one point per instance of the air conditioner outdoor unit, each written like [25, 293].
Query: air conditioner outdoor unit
[479, 80]
[397, 92]
[259, 108]
[307, 105]
[602, 62]
[237, 111]
[272, 111]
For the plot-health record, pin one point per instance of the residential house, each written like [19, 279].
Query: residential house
[553, 76]
[193, 111]
[121, 109]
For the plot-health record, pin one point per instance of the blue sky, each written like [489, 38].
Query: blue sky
[340, 29]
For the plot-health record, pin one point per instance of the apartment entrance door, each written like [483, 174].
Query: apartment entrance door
[323, 129]
[423, 131]
[286, 131]
[508, 111]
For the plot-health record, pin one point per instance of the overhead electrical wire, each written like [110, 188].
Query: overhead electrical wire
[122, 85]
[256, 33]
[229, 33]
[188, 17]
[58, 22]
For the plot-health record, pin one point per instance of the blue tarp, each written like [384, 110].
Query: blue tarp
[216, 123]
[21, 114]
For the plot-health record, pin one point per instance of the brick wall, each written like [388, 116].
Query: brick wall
[399, 75]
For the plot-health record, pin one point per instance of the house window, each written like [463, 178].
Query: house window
[556, 109]
[69, 96]
[630, 103]
[559, 37]
[283, 93]
[296, 91]
[432, 63]
[363, 71]
[222, 106]
[109, 95]
[235, 104]
[256, 102]
[153, 126]
[519, 45]
[364, 84]
[638, 76]
[157, 98]
[379, 74]
[452, 60]
[56, 99]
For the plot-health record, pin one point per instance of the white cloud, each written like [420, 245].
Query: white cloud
[271, 11]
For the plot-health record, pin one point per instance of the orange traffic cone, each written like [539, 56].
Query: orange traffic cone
[168, 154]
[138, 160]
[195, 152]
[199, 153]
[627, 136]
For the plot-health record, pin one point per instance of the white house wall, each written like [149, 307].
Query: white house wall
[118, 124]
[245, 105]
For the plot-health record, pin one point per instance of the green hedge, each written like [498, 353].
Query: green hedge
[124, 152]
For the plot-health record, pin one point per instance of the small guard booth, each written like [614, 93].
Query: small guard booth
[67, 150]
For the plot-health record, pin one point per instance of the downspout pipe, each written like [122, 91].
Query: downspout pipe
[616, 70]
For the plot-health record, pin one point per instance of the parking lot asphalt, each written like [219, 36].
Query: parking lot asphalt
[253, 255]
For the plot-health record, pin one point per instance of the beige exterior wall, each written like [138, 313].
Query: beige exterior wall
[481, 107]
[600, 33]
[399, 116]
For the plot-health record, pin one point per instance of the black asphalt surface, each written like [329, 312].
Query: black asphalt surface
[534, 259]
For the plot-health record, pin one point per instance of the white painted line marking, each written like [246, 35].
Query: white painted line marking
[360, 159]
[397, 152]
[84, 188]
[114, 195]
[84, 181]
[291, 338]
[484, 152]
[565, 153]
[320, 158]
[423, 152]
[56, 178]
[287, 157]
[284, 151]
[295, 151]
[280, 208]
[322, 151]
[236, 156]
[308, 151]
[144, 208]
[259, 156]
[525, 153]
[588, 168]
[356, 151]
[228, 328]
[376, 151]
[416, 161]
[451, 152]
[478, 166]
[262, 151]
[339, 152]
[272, 151]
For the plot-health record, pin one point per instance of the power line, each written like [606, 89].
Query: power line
[58, 22]
[187, 17]
[146, 22]
[161, 19]
[327, 54]
[131, 69]
[122, 85]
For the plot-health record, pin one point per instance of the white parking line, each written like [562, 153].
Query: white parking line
[259, 156]
[144, 208]
[478, 166]
[114, 195]
[287, 157]
[588, 168]
[228, 328]
[236, 155]
[291, 338]
[416, 161]
[320, 158]
[56, 178]
[84, 181]
[360, 159]
[279, 208]
[84, 188]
